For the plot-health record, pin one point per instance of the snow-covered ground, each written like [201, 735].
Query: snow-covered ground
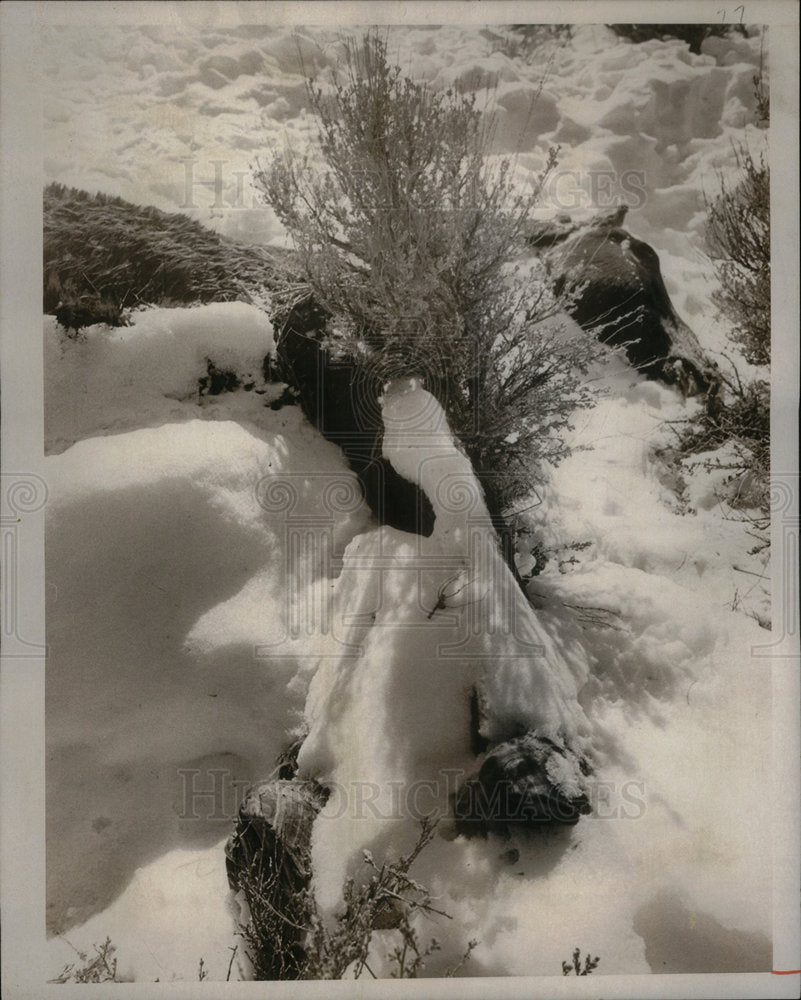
[172, 117]
[214, 578]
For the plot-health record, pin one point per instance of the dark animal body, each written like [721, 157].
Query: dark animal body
[614, 288]
[341, 397]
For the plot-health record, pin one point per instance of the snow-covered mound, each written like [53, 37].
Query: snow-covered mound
[215, 582]
[431, 621]
[140, 375]
[670, 699]
[166, 573]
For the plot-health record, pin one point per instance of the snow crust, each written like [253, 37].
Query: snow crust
[215, 583]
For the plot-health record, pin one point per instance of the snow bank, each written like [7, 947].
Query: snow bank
[148, 923]
[175, 562]
[620, 493]
[171, 614]
[112, 380]
[674, 711]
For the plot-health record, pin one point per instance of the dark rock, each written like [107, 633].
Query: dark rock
[549, 233]
[614, 288]
[395, 501]
[693, 34]
[478, 743]
[527, 781]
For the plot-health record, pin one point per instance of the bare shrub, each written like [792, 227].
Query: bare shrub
[406, 234]
[287, 937]
[738, 238]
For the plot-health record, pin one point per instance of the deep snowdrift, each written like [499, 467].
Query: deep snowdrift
[164, 574]
[195, 540]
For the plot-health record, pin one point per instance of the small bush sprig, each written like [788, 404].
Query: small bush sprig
[101, 968]
[590, 964]
[385, 902]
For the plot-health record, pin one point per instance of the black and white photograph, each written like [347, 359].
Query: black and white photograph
[400, 499]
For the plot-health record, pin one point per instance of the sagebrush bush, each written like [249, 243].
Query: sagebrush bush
[738, 239]
[405, 234]
[738, 410]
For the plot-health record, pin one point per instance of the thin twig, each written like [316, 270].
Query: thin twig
[231, 963]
